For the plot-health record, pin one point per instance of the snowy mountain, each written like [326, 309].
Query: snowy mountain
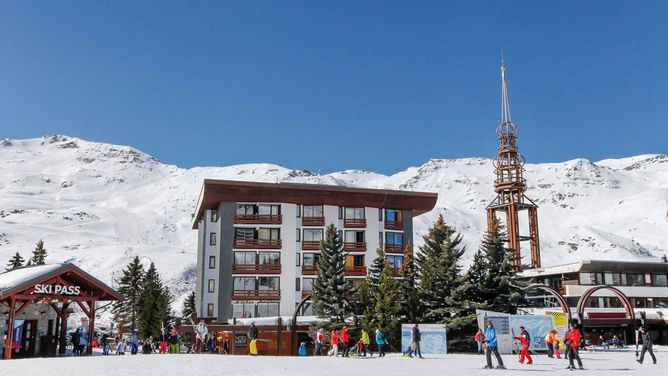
[99, 205]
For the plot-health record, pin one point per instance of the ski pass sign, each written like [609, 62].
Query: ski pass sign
[54, 289]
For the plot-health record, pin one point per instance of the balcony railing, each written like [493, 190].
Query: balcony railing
[355, 271]
[394, 248]
[394, 225]
[313, 221]
[256, 294]
[354, 222]
[257, 243]
[309, 270]
[354, 247]
[256, 268]
[258, 219]
[311, 245]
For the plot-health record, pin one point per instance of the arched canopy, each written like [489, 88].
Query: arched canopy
[562, 302]
[630, 314]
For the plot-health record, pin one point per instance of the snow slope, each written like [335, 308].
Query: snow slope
[98, 205]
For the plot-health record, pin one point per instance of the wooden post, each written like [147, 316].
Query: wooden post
[10, 330]
[91, 326]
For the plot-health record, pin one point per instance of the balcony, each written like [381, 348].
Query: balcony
[257, 243]
[354, 222]
[355, 271]
[311, 245]
[309, 270]
[256, 269]
[354, 247]
[394, 248]
[313, 221]
[394, 225]
[258, 219]
[256, 294]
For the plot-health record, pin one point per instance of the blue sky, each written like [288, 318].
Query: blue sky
[328, 86]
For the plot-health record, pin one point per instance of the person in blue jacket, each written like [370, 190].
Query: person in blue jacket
[302, 349]
[380, 341]
[492, 347]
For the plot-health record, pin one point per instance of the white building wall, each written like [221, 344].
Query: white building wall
[210, 250]
[373, 226]
[288, 258]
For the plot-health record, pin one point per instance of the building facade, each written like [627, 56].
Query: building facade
[259, 243]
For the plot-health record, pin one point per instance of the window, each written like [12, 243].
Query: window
[308, 284]
[354, 236]
[587, 278]
[264, 209]
[635, 279]
[380, 215]
[660, 303]
[267, 309]
[351, 261]
[354, 213]
[268, 283]
[340, 212]
[243, 283]
[299, 235]
[659, 280]
[240, 311]
[209, 309]
[299, 259]
[246, 209]
[297, 280]
[394, 238]
[269, 233]
[214, 215]
[392, 215]
[244, 258]
[212, 238]
[313, 234]
[299, 211]
[269, 258]
[339, 234]
[380, 237]
[241, 233]
[212, 285]
[311, 211]
[212, 262]
[311, 259]
[396, 261]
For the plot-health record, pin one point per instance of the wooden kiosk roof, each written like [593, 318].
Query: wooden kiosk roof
[216, 191]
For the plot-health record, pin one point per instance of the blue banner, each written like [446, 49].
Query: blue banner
[17, 336]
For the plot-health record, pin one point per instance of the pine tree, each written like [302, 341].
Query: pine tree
[130, 286]
[411, 307]
[154, 304]
[368, 295]
[387, 307]
[439, 270]
[189, 307]
[15, 262]
[39, 254]
[330, 287]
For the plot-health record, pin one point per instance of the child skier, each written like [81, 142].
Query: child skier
[525, 340]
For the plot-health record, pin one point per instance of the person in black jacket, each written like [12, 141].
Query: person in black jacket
[416, 337]
[646, 345]
[76, 338]
[252, 335]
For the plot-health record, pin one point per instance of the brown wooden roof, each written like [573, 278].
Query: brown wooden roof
[216, 191]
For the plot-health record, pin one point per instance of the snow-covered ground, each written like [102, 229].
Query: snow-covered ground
[601, 363]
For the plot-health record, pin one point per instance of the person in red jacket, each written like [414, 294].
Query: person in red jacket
[334, 341]
[573, 338]
[525, 340]
[344, 341]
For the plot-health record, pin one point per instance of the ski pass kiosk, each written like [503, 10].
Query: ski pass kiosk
[35, 303]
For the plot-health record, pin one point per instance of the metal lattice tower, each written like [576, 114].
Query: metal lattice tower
[510, 186]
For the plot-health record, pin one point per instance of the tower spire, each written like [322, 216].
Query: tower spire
[505, 105]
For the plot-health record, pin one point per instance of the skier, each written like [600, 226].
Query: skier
[491, 347]
[319, 342]
[416, 337]
[253, 334]
[200, 333]
[134, 342]
[344, 341]
[525, 340]
[646, 345]
[120, 348]
[366, 341]
[334, 341]
[163, 340]
[552, 344]
[211, 344]
[380, 341]
[173, 341]
[480, 339]
[105, 344]
[147, 347]
[76, 337]
[573, 338]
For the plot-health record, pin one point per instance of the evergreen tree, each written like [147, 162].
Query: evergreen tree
[189, 307]
[15, 262]
[39, 254]
[126, 312]
[411, 307]
[368, 295]
[387, 307]
[439, 270]
[330, 288]
[154, 304]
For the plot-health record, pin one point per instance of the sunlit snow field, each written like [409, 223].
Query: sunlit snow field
[595, 363]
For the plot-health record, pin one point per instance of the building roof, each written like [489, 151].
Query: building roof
[216, 191]
[19, 280]
[592, 266]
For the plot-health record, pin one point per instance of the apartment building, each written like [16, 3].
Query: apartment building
[259, 243]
